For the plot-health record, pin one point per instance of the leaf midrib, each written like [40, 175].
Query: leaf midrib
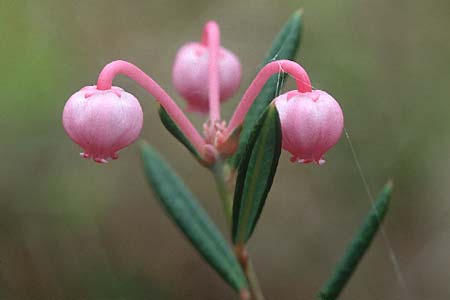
[251, 192]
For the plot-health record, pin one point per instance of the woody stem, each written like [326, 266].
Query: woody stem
[249, 270]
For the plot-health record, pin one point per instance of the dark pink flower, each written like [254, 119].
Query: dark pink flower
[102, 122]
[311, 124]
[190, 75]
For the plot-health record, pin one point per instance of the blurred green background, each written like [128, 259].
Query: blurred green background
[73, 229]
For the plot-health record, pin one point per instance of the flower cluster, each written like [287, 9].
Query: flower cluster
[104, 119]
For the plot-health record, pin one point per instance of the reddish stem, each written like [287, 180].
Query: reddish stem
[211, 38]
[114, 68]
[286, 66]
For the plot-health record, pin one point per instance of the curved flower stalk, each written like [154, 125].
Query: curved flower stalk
[275, 67]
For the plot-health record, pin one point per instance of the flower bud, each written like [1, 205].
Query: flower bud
[311, 123]
[102, 122]
[190, 75]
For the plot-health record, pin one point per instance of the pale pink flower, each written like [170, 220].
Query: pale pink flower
[190, 75]
[311, 123]
[102, 122]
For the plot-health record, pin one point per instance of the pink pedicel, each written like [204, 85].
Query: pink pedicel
[102, 122]
[111, 70]
[204, 73]
[311, 123]
[272, 68]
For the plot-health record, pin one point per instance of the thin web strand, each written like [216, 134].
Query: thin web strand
[392, 255]
[387, 242]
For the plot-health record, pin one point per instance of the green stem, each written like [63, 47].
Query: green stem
[222, 177]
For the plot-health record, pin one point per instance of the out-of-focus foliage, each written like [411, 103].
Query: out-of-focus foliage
[72, 229]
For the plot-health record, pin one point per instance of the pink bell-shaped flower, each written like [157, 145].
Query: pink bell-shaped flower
[311, 123]
[102, 122]
[190, 75]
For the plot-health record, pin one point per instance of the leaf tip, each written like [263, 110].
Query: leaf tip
[389, 186]
[144, 148]
[143, 144]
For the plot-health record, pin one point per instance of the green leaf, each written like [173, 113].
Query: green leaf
[176, 132]
[357, 247]
[284, 46]
[255, 174]
[191, 218]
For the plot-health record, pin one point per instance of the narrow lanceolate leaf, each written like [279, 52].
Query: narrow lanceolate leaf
[358, 247]
[284, 46]
[191, 218]
[176, 132]
[255, 174]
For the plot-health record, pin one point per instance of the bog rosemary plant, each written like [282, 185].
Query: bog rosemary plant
[242, 153]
